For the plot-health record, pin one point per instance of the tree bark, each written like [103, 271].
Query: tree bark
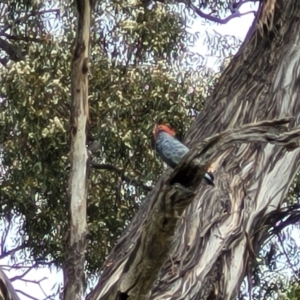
[7, 291]
[217, 235]
[74, 266]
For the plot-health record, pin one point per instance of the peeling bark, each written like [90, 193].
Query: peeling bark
[177, 190]
[77, 191]
[214, 240]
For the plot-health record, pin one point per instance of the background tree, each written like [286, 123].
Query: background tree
[142, 71]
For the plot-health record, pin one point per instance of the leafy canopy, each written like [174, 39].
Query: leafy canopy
[142, 72]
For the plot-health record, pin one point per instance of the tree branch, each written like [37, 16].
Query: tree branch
[209, 149]
[21, 38]
[10, 252]
[120, 172]
[235, 12]
[291, 265]
[198, 159]
[20, 277]
[157, 233]
[27, 295]
[12, 51]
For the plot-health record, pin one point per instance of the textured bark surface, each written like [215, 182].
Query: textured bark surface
[218, 232]
[7, 291]
[74, 266]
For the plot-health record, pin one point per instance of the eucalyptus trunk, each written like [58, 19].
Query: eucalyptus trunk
[77, 191]
[213, 242]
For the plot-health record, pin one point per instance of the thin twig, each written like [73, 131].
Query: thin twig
[10, 252]
[19, 277]
[25, 294]
[286, 255]
[209, 17]
[120, 172]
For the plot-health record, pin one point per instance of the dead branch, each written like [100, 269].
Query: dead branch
[234, 10]
[12, 51]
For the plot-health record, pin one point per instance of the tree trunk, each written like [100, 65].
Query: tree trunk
[7, 291]
[217, 235]
[74, 265]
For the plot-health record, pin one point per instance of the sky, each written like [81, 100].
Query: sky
[237, 27]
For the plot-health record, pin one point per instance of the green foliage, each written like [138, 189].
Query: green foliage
[294, 292]
[140, 74]
[142, 71]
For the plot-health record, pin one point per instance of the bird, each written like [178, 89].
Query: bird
[171, 150]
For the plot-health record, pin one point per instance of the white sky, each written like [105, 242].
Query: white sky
[237, 27]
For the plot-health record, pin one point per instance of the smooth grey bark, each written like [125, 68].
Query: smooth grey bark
[77, 191]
